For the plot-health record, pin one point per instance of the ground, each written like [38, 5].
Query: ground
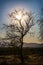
[11, 56]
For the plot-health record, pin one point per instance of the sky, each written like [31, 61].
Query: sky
[34, 5]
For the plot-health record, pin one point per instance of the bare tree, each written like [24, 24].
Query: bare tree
[41, 25]
[21, 22]
[23, 28]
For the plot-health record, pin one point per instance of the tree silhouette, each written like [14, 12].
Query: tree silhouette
[21, 22]
[11, 34]
[41, 25]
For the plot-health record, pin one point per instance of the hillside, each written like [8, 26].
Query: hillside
[32, 45]
[27, 49]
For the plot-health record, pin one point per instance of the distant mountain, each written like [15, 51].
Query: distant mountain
[32, 45]
[7, 44]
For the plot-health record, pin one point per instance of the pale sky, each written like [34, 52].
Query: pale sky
[33, 5]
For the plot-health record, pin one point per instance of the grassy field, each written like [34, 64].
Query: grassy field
[11, 56]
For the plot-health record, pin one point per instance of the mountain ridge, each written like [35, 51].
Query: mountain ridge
[32, 45]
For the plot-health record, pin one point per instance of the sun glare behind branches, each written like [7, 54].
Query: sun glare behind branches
[19, 15]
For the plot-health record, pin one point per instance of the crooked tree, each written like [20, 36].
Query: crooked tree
[21, 22]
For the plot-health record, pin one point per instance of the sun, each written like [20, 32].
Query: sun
[19, 15]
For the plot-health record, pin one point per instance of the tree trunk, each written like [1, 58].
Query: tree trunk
[22, 58]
